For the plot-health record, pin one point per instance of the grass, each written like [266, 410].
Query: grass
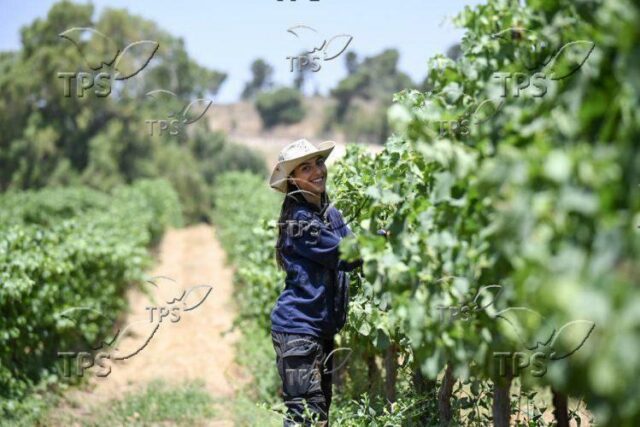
[186, 404]
[255, 403]
[248, 413]
[159, 403]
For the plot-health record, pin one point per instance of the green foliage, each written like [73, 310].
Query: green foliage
[245, 214]
[33, 409]
[181, 168]
[280, 106]
[541, 198]
[256, 355]
[69, 248]
[261, 79]
[182, 405]
[366, 122]
[375, 78]
[218, 155]
[49, 206]
[365, 410]
[192, 169]
[246, 211]
[49, 138]
[365, 94]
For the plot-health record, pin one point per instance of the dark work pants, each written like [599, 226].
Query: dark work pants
[305, 368]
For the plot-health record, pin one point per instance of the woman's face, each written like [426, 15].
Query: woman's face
[311, 175]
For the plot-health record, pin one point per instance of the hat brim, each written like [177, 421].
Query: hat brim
[283, 169]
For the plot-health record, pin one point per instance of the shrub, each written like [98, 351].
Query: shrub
[69, 248]
[281, 106]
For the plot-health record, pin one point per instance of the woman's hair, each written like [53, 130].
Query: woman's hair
[291, 199]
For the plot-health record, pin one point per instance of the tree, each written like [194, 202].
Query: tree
[365, 94]
[282, 105]
[454, 52]
[302, 74]
[50, 135]
[262, 74]
[351, 62]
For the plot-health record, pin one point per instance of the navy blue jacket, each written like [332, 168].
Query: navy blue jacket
[316, 293]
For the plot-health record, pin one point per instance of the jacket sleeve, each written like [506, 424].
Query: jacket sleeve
[313, 239]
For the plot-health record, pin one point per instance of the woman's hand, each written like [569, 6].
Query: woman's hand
[383, 232]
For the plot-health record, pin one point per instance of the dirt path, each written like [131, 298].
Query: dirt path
[192, 348]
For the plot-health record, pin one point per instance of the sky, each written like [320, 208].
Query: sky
[227, 35]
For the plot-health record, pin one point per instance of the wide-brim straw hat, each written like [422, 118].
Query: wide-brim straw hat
[294, 154]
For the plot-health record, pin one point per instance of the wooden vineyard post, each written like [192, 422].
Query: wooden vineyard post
[391, 372]
[501, 401]
[560, 409]
[444, 396]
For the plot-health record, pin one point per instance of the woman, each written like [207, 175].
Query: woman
[313, 306]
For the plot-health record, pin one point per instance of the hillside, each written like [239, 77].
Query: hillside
[243, 125]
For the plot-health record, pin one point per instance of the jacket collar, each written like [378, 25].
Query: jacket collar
[322, 210]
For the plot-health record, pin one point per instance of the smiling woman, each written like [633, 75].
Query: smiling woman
[310, 177]
[313, 306]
